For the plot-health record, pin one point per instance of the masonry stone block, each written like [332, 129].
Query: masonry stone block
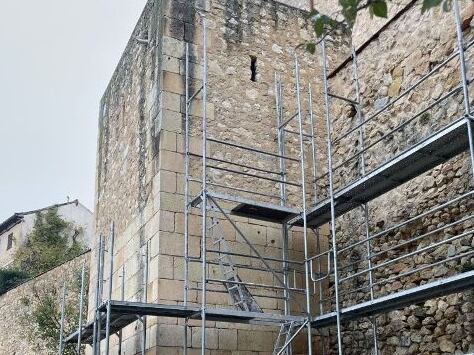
[170, 101]
[227, 339]
[172, 290]
[212, 339]
[164, 181]
[170, 202]
[169, 120]
[171, 161]
[168, 141]
[173, 47]
[253, 341]
[171, 64]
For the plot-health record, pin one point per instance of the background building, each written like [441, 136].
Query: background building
[14, 230]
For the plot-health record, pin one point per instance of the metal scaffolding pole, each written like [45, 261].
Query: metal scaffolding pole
[101, 293]
[303, 193]
[186, 201]
[100, 279]
[61, 329]
[320, 283]
[283, 192]
[204, 189]
[81, 307]
[315, 199]
[313, 144]
[122, 297]
[365, 207]
[331, 193]
[145, 297]
[109, 294]
[464, 82]
[94, 335]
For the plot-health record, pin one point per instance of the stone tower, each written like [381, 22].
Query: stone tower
[140, 161]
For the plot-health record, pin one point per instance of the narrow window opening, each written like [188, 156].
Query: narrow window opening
[10, 241]
[253, 68]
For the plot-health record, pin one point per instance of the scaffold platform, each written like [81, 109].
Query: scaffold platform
[398, 300]
[124, 313]
[427, 154]
[257, 210]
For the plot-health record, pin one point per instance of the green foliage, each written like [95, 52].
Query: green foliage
[48, 245]
[349, 9]
[9, 278]
[322, 24]
[42, 319]
[379, 9]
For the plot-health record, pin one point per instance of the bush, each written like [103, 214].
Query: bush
[10, 278]
[48, 245]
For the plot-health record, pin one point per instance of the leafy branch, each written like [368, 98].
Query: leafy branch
[346, 16]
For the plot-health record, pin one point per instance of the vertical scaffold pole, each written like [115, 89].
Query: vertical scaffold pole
[109, 293]
[204, 188]
[102, 268]
[94, 335]
[365, 207]
[465, 84]
[186, 202]
[101, 294]
[122, 298]
[145, 297]
[81, 308]
[61, 329]
[331, 194]
[315, 192]
[280, 137]
[283, 192]
[303, 193]
[320, 283]
[313, 143]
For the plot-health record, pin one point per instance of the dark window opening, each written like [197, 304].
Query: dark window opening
[253, 68]
[10, 241]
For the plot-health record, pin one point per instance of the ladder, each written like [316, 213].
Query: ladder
[240, 296]
[287, 330]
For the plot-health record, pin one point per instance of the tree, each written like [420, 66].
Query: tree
[349, 9]
[48, 245]
[42, 318]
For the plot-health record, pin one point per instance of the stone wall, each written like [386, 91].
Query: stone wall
[15, 335]
[140, 182]
[387, 66]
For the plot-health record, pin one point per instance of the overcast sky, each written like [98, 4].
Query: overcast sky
[56, 58]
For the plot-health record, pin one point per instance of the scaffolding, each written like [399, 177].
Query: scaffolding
[313, 291]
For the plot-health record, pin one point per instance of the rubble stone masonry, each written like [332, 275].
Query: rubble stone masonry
[402, 53]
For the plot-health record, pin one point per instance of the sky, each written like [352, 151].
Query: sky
[56, 58]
